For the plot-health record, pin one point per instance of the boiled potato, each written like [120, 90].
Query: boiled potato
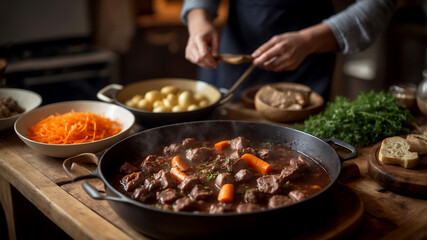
[144, 105]
[203, 103]
[161, 109]
[168, 98]
[192, 107]
[185, 99]
[178, 108]
[158, 103]
[199, 97]
[169, 89]
[153, 96]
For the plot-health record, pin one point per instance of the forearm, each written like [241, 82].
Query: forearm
[319, 38]
[197, 18]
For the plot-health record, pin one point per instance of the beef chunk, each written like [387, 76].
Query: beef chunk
[264, 153]
[239, 143]
[287, 172]
[173, 149]
[128, 168]
[290, 172]
[200, 192]
[199, 155]
[143, 194]
[269, 184]
[223, 178]
[297, 195]
[254, 196]
[152, 184]
[149, 165]
[190, 143]
[184, 204]
[279, 200]
[168, 195]
[220, 208]
[298, 163]
[165, 178]
[235, 154]
[248, 207]
[238, 165]
[188, 183]
[132, 181]
[243, 175]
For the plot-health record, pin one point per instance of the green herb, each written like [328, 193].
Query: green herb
[211, 175]
[167, 165]
[368, 119]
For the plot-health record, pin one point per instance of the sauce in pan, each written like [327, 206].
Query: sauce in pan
[235, 175]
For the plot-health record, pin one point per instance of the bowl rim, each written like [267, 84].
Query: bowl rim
[38, 99]
[123, 130]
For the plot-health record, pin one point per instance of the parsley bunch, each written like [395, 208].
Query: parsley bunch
[367, 120]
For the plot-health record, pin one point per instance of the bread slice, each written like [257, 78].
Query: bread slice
[417, 143]
[395, 150]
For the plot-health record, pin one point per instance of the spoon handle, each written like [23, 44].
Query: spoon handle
[240, 80]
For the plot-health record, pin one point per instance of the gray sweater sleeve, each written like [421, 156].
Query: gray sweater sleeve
[210, 5]
[356, 27]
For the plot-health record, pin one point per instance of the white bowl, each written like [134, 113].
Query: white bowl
[111, 111]
[28, 100]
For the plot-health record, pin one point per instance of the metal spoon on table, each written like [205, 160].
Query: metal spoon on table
[237, 59]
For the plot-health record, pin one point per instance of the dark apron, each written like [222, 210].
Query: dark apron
[252, 23]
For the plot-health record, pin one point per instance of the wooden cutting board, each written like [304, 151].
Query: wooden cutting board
[411, 182]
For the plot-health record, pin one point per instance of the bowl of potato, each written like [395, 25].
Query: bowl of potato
[162, 101]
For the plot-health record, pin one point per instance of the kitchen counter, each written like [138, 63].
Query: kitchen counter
[43, 181]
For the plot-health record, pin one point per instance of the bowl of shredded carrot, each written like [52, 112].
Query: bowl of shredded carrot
[67, 129]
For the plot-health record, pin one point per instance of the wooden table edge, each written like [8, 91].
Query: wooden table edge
[77, 220]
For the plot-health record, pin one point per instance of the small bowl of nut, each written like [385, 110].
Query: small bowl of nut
[287, 102]
[162, 101]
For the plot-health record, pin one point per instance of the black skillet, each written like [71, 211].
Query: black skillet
[163, 224]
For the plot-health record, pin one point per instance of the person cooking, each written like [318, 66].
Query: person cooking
[290, 40]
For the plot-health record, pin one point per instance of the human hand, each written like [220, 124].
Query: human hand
[202, 46]
[282, 52]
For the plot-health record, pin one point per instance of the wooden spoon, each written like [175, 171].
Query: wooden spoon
[235, 58]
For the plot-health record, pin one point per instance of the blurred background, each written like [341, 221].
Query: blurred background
[69, 50]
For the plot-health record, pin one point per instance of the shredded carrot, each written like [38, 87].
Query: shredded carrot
[73, 127]
[221, 145]
[257, 163]
[226, 193]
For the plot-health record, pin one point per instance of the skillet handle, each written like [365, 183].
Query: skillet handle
[345, 145]
[84, 158]
[106, 94]
[95, 194]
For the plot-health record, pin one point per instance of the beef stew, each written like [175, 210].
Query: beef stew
[188, 176]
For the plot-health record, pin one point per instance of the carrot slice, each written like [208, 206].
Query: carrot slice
[257, 164]
[73, 127]
[177, 174]
[226, 193]
[178, 163]
[221, 145]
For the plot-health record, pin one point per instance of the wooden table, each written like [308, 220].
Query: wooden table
[43, 181]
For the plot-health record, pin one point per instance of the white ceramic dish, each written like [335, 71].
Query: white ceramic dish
[28, 100]
[111, 111]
